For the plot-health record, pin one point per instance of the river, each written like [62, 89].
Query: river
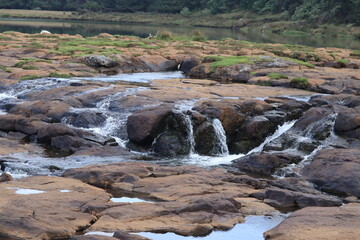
[87, 28]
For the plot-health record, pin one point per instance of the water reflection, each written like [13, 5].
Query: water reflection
[252, 229]
[86, 29]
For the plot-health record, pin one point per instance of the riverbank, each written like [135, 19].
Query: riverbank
[245, 21]
[204, 133]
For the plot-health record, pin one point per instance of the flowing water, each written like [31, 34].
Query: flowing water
[25, 164]
[115, 125]
[252, 229]
[92, 28]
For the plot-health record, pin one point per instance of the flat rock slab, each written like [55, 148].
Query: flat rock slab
[335, 223]
[188, 200]
[46, 207]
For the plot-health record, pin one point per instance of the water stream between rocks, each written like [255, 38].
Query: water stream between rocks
[114, 125]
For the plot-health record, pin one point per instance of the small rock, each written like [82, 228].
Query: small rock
[5, 177]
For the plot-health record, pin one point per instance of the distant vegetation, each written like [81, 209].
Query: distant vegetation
[319, 11]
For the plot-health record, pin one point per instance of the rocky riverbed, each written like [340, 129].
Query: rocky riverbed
[207, 133]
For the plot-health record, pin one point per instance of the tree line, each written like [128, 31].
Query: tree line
[323, 11]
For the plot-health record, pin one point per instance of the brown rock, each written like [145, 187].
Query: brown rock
[347, 124]
[194, 201]
[336, 223]
[5, 177]
[282, 198]
[335, 171]
[93, 237]
[265, 163]
[143, 126]
[54, 130]
[157, 63]
[126, 236]
[39, 215]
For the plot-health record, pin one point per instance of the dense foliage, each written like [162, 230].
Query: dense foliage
[344, 11]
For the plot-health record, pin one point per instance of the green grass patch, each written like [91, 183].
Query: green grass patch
[12, 33]
[31, 77]
[296, 47]
[302, 83]
[34, 45]
[103, 42]
[30, 67]
[343, 61]
[306, 64]
[57, 75]
[221, 61]
[197, 36]
[277, 76]
[28, 60]
[5, 69]
[355, 53]
[305, 56]
[70, 50]
[42, 36]
[6, 38]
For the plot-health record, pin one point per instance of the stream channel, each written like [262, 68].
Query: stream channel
[26, 164]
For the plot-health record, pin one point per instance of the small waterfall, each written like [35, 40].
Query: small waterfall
[280, 131]
[326, 143]
[190, 131]
[221, 137]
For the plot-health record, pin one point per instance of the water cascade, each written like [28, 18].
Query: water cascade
[280, 131]
[190, 133]
[220, 138]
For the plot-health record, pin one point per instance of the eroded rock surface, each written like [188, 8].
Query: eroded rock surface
[32, 208]
[195, 200]
[319, 223]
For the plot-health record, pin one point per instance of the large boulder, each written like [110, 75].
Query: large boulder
[99, 61]
[251, 134]
[347, 124]
[189, 63]
[175, 140]
[336, 171]
[145, 125]
[157, 63]
[205, 139]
